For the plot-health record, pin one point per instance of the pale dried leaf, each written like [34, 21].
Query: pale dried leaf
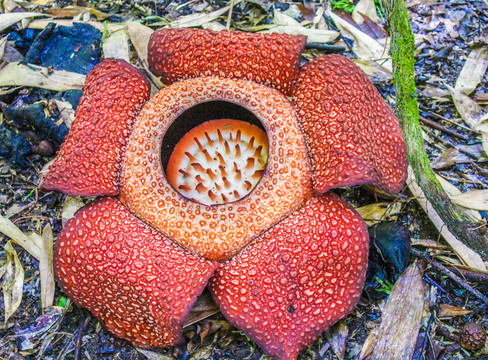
[203, 308]
[484, 142]
[66, 112]
[402, 317]
[9, 229]
[428, 243]
[365, 9]
[374, 213]
[70, 206]
[13, 282]
[46, 268]
[469, 110]
[450, 157]
[9, 19]
[17, 74]
[365, 47]
[139, 36]
[282, 19]
[116, 46]
[3, 46]
[451, 190]
[446, 310]
[374, 71]
[473, 199]
[41, 24]
[466, 254]
[313, 35]
[198, 19]
[473, 71]
[369, 343]
[74, 11]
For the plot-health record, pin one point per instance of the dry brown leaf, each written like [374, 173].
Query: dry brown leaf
[466, 254]
[9, 229]
[428, 243]
[203, 308]
[473, 71]
[116, 45]
[402, 317]
[197, 19]
[374, 213]
[46, 268]
[338, 339]
[152, 355]
[435, 93]
[17, 74]
[449, 311]
[73, 11]
[469, 110]
[450, 157]
[9, 19]
[374, 71]
[13, 282]
[451, 190]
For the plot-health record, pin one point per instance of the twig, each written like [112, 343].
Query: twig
[437, 126]
[79, 335]
[438, 266]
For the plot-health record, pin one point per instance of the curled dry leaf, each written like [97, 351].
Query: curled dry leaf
[446, 310]
[473, 71]
[9, 229]
[374, 213]
[70, 206]
[469, 110]
[365, 9]
[13, 281]
[17, 74]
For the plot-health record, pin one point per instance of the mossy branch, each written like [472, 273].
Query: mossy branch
[463, 227]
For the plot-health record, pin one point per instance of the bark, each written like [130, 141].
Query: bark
[470, 232]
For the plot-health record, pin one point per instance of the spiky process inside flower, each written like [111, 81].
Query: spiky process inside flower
[219, 161]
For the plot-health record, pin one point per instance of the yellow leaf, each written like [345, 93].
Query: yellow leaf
[13, 282]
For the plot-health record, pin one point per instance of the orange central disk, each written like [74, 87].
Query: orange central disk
[219, 161]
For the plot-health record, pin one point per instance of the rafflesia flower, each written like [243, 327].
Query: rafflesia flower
[221, 179]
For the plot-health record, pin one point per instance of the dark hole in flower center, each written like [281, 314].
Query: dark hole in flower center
[215, 152]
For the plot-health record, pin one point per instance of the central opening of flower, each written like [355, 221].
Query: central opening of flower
[219, 160]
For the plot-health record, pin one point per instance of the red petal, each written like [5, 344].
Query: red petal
[297, 279]
[353, 136]
[136, 281]
[89, 161]
[182, 53]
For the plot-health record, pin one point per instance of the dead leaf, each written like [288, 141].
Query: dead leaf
[152, 355]
[451, 190]
[197, 19]
[203, 308]
[66, 112]
[9, 19]
[9, 229]
[435, 93]
[466, 254]
[70, 206]
[41, 24]
[338, 339]
[74, 11]
[469, 110]
[13, 282]
[17, 74]
[402, 317]
[365, 47]
[473, 71]
[365, 9]
[446, 310]
[313, 35]
[450, 157]
[139, 36]
[374, 213]
[116, 45]
[375, 71]
[474, 199]
[46, 268]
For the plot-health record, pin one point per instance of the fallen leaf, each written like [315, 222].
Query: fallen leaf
[41, 24]
[203, 308]
[9, 229]
[446, 310]
[74, 11]
[450, 157]
[9, 19]
[469, 110]
[377, 212]
[116, 45]
[66, 112]
[435, 93]
[13, 282]
[365, 9]
[338, 339]
[473, 71]
[375, 71]
[451, 191]
[17, 74]
[70, 206]
[402, 317]
[466, 254]
[313, 35]
[473, 199]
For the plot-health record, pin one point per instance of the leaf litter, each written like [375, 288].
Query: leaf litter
[452, 84]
